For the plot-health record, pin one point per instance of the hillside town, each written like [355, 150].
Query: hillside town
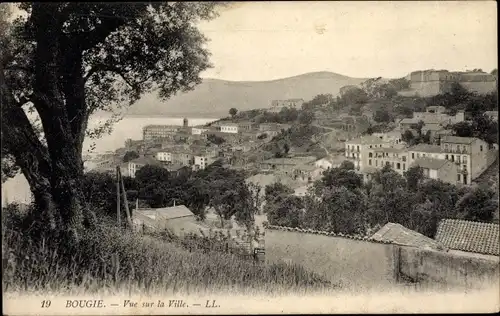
[425, 139]
[381, 182]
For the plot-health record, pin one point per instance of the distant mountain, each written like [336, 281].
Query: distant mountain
[214, 98]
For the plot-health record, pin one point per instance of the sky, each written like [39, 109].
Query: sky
[256, 41]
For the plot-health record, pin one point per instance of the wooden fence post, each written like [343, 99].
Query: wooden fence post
[118, 196]
[125, 201]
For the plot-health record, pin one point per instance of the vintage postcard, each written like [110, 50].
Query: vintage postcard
[249, 157]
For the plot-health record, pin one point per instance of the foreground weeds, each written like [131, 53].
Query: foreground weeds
[112, 260]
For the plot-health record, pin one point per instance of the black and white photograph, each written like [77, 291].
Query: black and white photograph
[249, 157]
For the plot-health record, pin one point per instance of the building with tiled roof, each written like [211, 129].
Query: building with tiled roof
[177, 219]
[438, 169]
[458, 139]
[400, 235]
[468, 236]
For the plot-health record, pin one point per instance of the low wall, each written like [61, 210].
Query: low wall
[358, 262]
[450, 269]
[349, 261]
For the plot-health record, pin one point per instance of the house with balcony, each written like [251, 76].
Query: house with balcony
[356, 149]
[469, 153]
[377, 158]
[438, 169]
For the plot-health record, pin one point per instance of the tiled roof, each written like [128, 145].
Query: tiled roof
[469, 236]
[145, 161]
[289, 161]
[398, 234]
[457, 139]
[430, 163]
[366, 140]
[318, 232]
[426, 148]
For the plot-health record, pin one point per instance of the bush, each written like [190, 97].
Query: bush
[113, 259]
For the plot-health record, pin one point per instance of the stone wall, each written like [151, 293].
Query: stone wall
[448, 268]
[352, 262]
[362, 262]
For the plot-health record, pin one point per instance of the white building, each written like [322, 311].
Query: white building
[164, 156]
[202, 161]
[356, 149]
[198, 130]
[229, 128]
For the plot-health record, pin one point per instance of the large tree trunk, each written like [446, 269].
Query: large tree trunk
[59, 99]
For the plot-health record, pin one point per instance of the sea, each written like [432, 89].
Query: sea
[17, 190]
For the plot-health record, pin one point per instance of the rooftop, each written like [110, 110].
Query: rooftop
[388, 150]
[161, 126]
[426, 148]
[398, 234]
[426, 120]
[366, 140]
[145, 161]
[430, 163]
[289, 161]
[167, 212]
[457, 139]
[469, 236]
[432, 127]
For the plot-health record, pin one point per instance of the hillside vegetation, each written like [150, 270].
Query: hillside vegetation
[121, 261]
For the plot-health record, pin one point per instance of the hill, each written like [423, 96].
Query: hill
[214, 97]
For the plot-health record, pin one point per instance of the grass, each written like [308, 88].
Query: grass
[115, 261]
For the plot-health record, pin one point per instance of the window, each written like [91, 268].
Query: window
[370, 162]
[458, 177]
[404, 158]
[446, 157]
[418, 155]
[370, 154]
[357, 148]
[464, 159]
[387, 163]
[452, 158]
[446, 147]
[370, 146]
[481, 148]
[458, 147]
[398, 166]
[412, 155]
[423, 155]
[458, 159]
[404, 166]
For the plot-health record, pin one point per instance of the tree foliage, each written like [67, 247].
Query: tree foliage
[68, 60]
[130, 155]
[233, 111]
